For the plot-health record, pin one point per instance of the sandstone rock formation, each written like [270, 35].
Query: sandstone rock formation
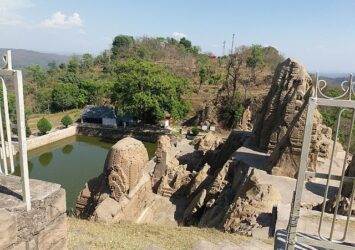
[122, 171]
[232, 200]
[165, 159]
[245, 123]
[168, 175]
[210, 141]
[280, 126]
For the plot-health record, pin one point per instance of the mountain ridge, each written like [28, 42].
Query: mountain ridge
[21, 58]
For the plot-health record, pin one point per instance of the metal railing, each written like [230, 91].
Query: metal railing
[7, 74]
[342, 102]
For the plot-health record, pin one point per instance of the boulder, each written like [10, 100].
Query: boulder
[210, 141]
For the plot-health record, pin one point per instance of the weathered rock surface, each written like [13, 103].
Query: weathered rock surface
[165, 159]
[121, 173]
[280, 126]
[123, 166]
[210, 141]
[232, 200]
[246, 121]
[169, 177]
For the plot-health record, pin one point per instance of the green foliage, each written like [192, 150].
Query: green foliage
[238, 113]
[147, 90]
[67, 120]
[36, 74]
[44, 125]
[203, 74]
[73, 65]
[256, 59]
[86, 62]
[28, 130]
[119, 43]
[186, 43]
[67, 96]
[43, 99]
[195, 131]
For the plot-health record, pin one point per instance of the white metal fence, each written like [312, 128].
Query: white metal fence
[342, 103]
[13, 78]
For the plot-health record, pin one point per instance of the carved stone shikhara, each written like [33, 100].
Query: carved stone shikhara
[280, 125]
[122, 171]
[123, 166]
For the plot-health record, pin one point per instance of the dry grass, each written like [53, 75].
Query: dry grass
[138, 236]
[54, 118]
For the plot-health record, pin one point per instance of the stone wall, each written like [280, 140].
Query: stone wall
[43, 227]
[149, 134]
[39, 141]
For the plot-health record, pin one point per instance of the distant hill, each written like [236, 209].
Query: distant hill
[21, 58]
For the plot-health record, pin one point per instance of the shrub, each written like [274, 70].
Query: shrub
[28, 130]
[44, 125]
[67, 120]
[195, 131]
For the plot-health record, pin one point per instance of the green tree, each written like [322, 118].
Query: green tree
[203, 74]
[147, 90]
[255, 60]
[44, 125]
[73, 65]
[67, 120]
[43, 99]
[121, 42]
[67, 96]
[186, 43]
[86, 62]
[93, 92]
[36, 75]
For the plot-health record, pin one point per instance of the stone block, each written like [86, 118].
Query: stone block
[54, 235]
[57, 206]
[8, 229]
[106, 210]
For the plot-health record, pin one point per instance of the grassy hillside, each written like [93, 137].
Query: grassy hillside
[22, 58]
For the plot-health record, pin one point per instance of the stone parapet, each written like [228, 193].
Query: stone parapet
[43, 227]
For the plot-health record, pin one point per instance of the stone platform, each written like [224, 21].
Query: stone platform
[43, 227]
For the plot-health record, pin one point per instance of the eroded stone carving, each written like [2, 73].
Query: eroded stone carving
[121, 173]
[168, 175]
[280, 126]
[245, 123]
[123, 166]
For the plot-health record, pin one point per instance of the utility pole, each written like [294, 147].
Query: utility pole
[224, 47]
[232, 48]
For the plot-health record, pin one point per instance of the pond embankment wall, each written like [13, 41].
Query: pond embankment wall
[148, 134]
[39, 141]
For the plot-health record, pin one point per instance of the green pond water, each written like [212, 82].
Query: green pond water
[72, 162]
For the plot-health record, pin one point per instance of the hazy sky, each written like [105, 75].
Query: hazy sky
[319, 33]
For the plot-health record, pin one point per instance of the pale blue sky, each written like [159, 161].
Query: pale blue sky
[319, 33]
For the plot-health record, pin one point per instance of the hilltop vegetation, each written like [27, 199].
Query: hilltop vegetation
[148, 77]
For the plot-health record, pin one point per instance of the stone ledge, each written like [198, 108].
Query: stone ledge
[43, 227]
[11, 191]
